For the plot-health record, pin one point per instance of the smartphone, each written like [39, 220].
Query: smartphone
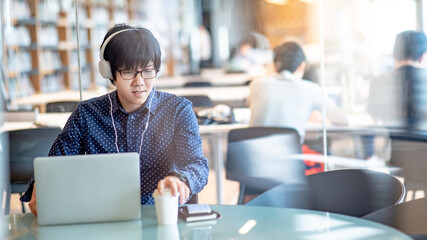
[198, 208]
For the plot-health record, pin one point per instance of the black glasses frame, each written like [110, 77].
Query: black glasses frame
[139, 72]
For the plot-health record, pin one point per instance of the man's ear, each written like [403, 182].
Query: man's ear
[301, 67]
[299, 72]
[277, 65]
[420, 60]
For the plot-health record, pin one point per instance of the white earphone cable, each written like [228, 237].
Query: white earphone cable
[145, 128]
[112, 119]
[146, 124]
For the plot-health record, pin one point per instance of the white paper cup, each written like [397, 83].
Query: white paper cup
[166, 207]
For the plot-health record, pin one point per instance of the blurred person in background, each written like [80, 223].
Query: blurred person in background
[399, 98]
[250, 56]
[286, 99]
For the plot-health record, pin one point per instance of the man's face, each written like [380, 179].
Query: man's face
[134, 91]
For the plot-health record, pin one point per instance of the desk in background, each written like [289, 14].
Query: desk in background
[216, 94]
[237, 222]
[217, 77]
[40, 100]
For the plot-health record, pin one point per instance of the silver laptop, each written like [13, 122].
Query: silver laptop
[87, 188]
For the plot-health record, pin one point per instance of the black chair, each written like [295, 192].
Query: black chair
[409, 154]
[260, 158]
[61, 106]
[408, 217]
[354, 192]
[198, 84]
[200, 101]
[21, 147]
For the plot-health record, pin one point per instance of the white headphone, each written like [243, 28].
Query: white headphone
[104, 66]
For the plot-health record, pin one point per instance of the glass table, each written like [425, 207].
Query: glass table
[236, 222]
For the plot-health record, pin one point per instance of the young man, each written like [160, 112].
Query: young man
[287, 100]
[397, 98]
[161, 127]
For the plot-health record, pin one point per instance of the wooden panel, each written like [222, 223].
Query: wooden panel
[285, 22]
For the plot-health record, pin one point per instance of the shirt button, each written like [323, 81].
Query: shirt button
[132, 117]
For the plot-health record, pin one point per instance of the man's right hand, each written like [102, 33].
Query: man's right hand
[33, 202]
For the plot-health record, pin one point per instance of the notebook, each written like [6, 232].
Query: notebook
[87, 188]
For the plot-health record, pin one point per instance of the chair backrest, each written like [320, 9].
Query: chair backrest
[23, 146]
[198, 84]
[259, 157]
[61, 106]
[200, 101]
[354, 192]
[409, 155]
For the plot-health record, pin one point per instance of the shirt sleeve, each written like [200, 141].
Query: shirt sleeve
[189, 153]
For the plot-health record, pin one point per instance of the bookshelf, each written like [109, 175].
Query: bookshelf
[41, 42]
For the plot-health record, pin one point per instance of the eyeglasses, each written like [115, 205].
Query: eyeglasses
[131, 74]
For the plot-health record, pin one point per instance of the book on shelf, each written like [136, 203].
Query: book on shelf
[197, 212]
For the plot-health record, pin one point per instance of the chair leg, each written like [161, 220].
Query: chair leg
[7, 203]
[22, 203]
[241, 194]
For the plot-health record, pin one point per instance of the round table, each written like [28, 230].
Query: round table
[236, 222]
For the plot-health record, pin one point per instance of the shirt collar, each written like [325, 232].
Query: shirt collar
[287, 75]
[153, 97]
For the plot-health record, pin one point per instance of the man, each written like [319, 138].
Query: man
[397, 98]
[287, 100]
[161, 127]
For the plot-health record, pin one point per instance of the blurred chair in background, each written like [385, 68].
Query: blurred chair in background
[22, 146]
[200, 101]
[198, 84]
[259, 159]
[61, 106]
[409, 154]
[354, 192]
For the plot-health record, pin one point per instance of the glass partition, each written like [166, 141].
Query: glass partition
[39, 65]
[377, 66]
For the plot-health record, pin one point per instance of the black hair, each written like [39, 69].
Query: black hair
[249, 39]
[410, 45]
[288, 56]
[131, 49]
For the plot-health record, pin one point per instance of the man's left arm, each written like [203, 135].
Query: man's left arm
[191, 170]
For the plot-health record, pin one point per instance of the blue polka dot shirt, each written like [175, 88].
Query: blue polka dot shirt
[171, 142]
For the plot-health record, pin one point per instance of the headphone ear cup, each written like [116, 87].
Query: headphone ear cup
[105, 69]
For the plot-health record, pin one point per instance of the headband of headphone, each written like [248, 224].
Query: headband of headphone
[104, 66]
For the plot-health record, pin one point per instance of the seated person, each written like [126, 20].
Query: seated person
[161, 127]
[396, 98]
[287, 100]
[248, 58]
